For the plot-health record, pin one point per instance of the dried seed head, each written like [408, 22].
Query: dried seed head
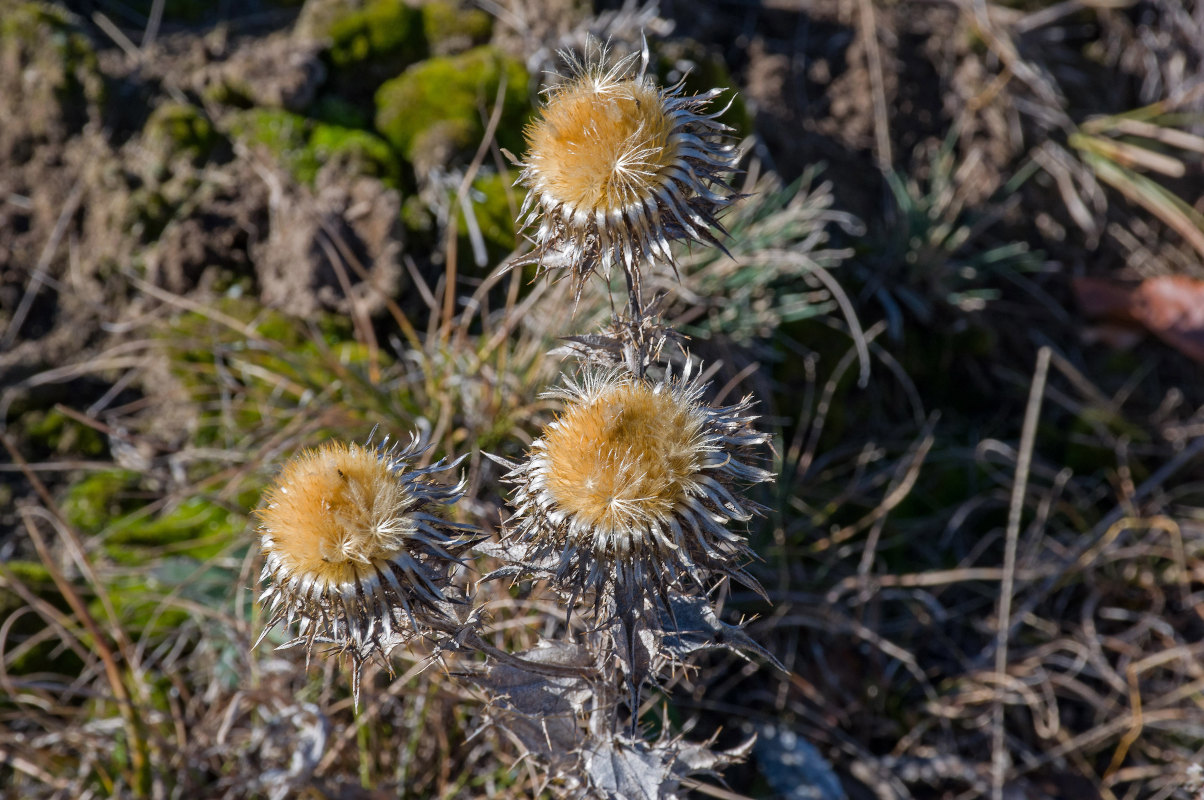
[353, 551]
[621, 461]
[634, 486]
[618, 168]
[596, 145]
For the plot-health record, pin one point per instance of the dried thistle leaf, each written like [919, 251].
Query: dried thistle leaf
[543, 713]
[695, 627]
[619, 768]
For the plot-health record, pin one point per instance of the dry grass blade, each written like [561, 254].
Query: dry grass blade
[1028, 435]
[1171, 137]
[1153, 197]
[449, 282]
[138, 777]
[869, 36]
[1129, 156]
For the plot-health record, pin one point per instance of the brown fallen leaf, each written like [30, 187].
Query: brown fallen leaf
[1170, 307]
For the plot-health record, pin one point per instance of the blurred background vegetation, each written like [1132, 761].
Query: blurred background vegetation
[966, 287]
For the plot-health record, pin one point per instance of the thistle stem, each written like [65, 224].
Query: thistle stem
[637, 349]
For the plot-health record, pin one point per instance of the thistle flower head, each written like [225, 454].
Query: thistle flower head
[634, 486]
[618, 168]
[353, 550]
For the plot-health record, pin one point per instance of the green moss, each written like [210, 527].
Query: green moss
[196, 527]
[368, 43]
[99, 498]
[436, 105]
[449, 27]
[303, 145]
[29, 572]
[181, 129]
[112, 504]
[361, 152]
[139, 610]
[382, 29]
[55, 432]
[280, 132]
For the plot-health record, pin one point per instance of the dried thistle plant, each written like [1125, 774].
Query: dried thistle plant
[631, 500]
[354, 551]
[619, 168]
[632, 489]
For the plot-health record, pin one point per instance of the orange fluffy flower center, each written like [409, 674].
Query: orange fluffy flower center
[601, 148]
[625, 458]
[334, 512]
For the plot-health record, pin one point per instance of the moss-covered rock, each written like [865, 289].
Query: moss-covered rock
[283, 134]
[451, 27]
[383, 30]
[432, 112]
[355, 152]
[366, 41]
[303, 145]
[50, 80]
